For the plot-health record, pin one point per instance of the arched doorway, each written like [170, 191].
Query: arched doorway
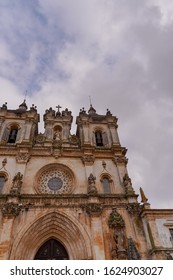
[52, 250]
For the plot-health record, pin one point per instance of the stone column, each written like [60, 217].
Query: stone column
[9, 211]
[94, 211]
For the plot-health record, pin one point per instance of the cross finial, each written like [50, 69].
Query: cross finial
[58, 107]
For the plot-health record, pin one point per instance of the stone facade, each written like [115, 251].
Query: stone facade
[71, 192]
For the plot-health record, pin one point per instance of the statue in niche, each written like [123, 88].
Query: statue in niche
[57, 136]
[117, 223]
[17, 183]
[91, 185]
[120, 239]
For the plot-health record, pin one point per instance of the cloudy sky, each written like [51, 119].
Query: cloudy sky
[119, 52]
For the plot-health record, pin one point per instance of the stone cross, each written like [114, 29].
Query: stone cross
[58, 107]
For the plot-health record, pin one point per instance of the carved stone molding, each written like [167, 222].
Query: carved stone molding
[92, 209]
[22, 157]
[120, 160]
[133, 208]
[73, 139]
[57, 143]
[57, 153]
[88, 159]
[11, 209]
[40, 138]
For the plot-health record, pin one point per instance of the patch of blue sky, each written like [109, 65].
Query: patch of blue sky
[32, 29]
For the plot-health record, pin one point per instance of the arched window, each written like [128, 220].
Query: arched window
[13, 134]
[2, 182]
[99, 138]
[106, 185]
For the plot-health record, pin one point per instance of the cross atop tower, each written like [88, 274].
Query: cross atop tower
[58, 107]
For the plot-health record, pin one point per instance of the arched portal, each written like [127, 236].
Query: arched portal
[52, 250]
[54, 225]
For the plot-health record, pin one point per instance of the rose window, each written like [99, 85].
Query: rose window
[55, 180]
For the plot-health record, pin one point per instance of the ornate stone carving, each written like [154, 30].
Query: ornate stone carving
[116, 222]
[88, 159]
[17, 183]
[74, 140]
[4, 162]
[11, 209]
[22, 157]
[128, 184]
[120, 160]
[132, 252]
[57, 153]
[40, 138]
[91, 185]
[94, 209]
[60, 180]
[57, 143]
[115, 219]
[133, 208]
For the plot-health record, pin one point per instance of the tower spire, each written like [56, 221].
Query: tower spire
[91, 110]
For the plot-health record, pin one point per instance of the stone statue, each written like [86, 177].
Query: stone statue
[116, 222]
[17, 183]
[91, 184]
[128, 184]
[57, 135]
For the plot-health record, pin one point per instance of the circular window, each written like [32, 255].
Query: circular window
[55, 180]
[55, 184]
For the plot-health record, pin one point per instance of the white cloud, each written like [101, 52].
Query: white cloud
[118, 52]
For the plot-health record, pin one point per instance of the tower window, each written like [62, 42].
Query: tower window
[99, 138]
[2, 182]
[13, 135]
[106, 185]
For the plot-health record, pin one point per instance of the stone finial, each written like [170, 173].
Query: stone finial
[108, 113]
[144, 199]
[91, 185]
[4, 106]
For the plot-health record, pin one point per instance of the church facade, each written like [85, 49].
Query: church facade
[65, 196]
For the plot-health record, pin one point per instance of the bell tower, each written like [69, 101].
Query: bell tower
[18, 126]
[96, 130]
